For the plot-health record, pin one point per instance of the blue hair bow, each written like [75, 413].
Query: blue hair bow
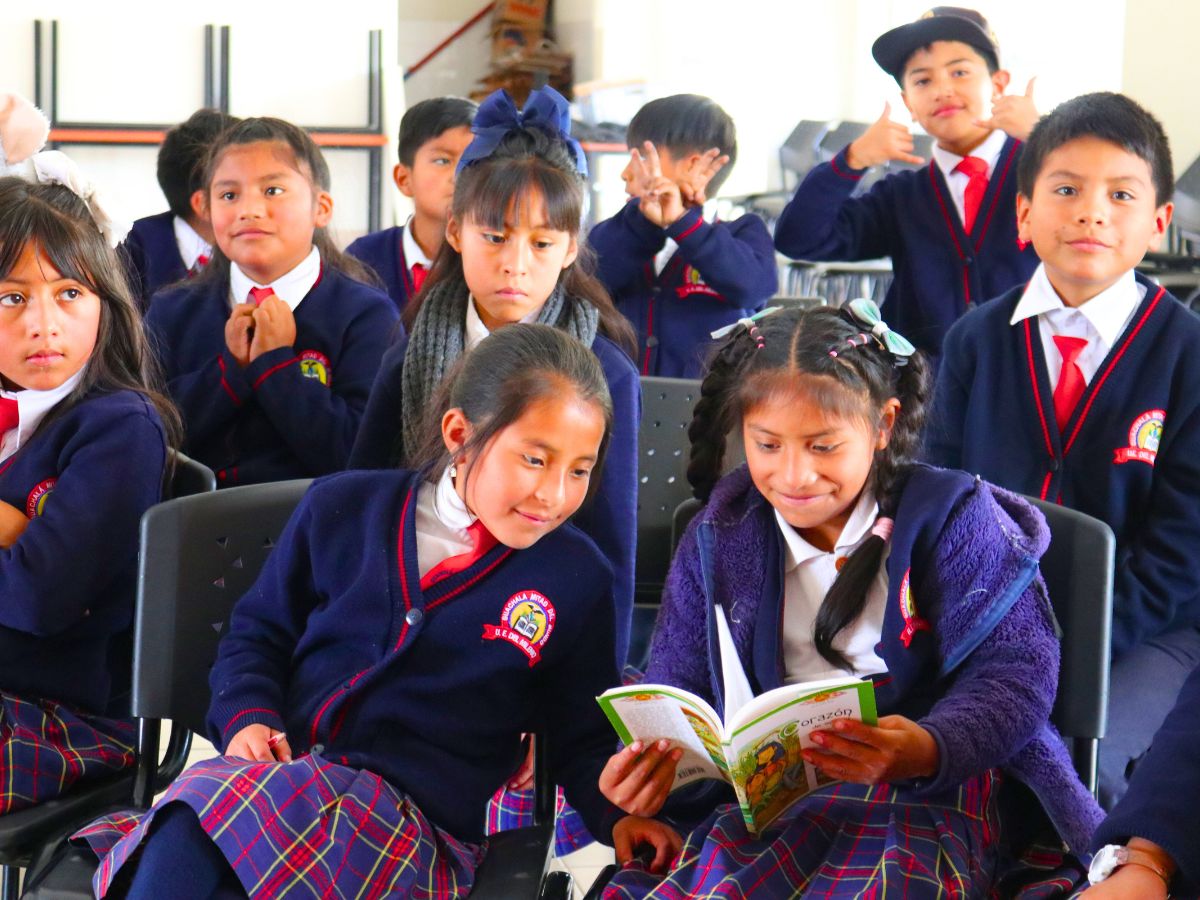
[546, 109]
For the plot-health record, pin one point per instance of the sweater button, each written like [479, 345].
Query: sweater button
[414, 617]
[1054, 464]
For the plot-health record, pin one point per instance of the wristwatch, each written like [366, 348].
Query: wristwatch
[1111, 857]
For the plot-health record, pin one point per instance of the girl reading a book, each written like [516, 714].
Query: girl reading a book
[832, 551]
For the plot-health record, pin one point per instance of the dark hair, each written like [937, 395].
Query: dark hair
[1110, 117]
[988, 56]
[57, 222]
[431, 118]
[308, 160]
[181, 158]
[795, 359]
[528, 162]
[686, 123]
[509, 370]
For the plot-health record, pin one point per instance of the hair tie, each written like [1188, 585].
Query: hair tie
[865, 312]
[855, 340]
[883, 528]
[497, 116]
[750, 324]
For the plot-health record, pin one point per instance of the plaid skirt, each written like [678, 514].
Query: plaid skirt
[514, 809]
[46, 748]
[305, 828]
[842, 841]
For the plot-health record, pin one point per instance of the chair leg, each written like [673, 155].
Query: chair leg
[10, 883]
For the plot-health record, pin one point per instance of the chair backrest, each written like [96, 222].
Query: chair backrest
[199, 555]
[838, 137]
[667, 405]
[1078, 569]
[188, 477]
[798, 153]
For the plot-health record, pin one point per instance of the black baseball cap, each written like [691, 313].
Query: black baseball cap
[893, 49]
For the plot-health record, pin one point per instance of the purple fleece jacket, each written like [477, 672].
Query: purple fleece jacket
[982, 679]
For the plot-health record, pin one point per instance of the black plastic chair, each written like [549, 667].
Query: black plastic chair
[200, 555]
[23, 832]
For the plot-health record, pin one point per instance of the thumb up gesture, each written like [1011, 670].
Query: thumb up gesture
[1014, 114]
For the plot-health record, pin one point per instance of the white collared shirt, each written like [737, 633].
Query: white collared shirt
[988, 151]
[808, 574]
[474, 329]
[1100, 320]
[290, 288]
[707, 214]
[191, 245]
[32, 407]
[413, 254]
[442, 523]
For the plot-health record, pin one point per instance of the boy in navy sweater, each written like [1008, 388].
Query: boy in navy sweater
[675, 276]
[1083, 387]
[949, 228]
[433, 135]
[164, 248]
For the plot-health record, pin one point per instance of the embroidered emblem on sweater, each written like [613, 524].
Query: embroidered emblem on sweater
[908, 609]
[1144, 436]
[35, 503]
[315, 364]
[693, 283]
[525, 622]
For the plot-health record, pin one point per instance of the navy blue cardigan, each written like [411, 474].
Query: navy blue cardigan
[291, 413]
[383, 251]
[1129, 455]
[337, 644]
[609, 516]
[67, 584]
[720, 273]
[939, 271]
[1164, 793]
[152, 256]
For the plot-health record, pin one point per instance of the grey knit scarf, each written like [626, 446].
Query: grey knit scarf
[436, 343]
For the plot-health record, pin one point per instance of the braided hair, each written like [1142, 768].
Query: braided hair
[790, 352]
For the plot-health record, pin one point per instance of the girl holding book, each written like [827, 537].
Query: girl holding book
[830, 552]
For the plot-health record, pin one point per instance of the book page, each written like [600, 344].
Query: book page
[649, 712]
[769, 772]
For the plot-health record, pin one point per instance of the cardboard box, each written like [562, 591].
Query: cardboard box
[531, 13]
[510, 41]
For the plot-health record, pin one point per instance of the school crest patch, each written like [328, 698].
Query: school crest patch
[315, 364]
[1144, 436]
[908, 609]
[693, 283]
[525, 622]
[35, 503]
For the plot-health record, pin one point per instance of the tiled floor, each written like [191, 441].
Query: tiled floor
[584, 865]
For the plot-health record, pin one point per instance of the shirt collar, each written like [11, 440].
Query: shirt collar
[861, 519]
[413, 254]
[475, 331]
[33, 406]
[1107, 312]
[191, 245]
[988, 151]
[449, 508]
[290, 288]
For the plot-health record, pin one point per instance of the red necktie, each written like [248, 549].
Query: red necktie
[419, 271]
[1070, 380]
[198, 266]
[9, 417]
[977, 181]
[481, 542]
[258, 295]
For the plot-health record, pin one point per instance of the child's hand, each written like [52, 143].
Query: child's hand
[897, 749]
[661, 200]
[694, 183]
[259, 743]
[631, 831]
[274, 327]
[239, 332]
[522, 779]
[1014, 114]
[639, 782]
[1133, 882]
[12, 524]
[884, 141]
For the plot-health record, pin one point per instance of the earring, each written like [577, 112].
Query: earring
[453, 471]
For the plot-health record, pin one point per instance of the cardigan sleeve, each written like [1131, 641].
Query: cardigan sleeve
[823, 222]
[952, 393]
[735, 258]
[624, 245]
[378, 436]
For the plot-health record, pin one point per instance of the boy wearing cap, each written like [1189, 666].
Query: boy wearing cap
[950, 227]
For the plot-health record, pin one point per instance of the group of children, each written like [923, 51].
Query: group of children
[415, 622]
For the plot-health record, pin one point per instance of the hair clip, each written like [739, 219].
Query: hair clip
[867, 313]
[546, 109]
[748, 321]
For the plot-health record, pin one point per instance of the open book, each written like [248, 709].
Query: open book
[756, 749]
